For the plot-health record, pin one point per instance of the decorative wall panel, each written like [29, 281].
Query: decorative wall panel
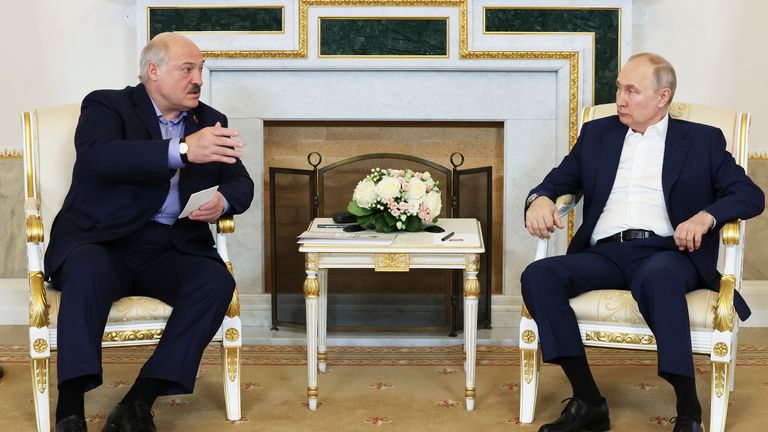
[215, 19]
[383, 37]
[603, 24]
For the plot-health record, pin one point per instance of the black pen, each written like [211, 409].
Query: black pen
[447, 236]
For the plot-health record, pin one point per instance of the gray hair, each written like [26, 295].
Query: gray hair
[156, 51]
[663, 73]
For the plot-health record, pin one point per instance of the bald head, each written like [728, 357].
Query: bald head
[172, 73]
[158, 49]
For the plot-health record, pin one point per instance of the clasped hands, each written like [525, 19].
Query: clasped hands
[542, 218]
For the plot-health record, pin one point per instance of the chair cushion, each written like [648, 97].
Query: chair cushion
[618, 307]
[133, 309]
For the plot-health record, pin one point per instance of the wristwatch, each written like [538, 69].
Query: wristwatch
[183, 149]
[530, 200]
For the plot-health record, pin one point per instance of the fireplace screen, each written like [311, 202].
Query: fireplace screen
[359, 299]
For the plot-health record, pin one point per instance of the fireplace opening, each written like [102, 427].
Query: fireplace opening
[294, 193]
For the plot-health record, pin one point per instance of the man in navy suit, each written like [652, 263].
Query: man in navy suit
[656, 193]
[141, 152]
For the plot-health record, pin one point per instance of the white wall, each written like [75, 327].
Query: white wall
[55, 52]
[718, 48]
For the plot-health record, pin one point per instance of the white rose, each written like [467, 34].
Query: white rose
[413, 207]
[416, 190]
[433, 203]
[388, 187]
[365, 193]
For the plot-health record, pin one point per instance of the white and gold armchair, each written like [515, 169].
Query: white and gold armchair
[49, 155]
[611, 318]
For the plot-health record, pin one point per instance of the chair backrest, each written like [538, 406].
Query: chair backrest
[49, 156]
[734, 124]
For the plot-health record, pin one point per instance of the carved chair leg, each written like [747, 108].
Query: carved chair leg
[40, 387]
[230, 364]
[530, 362]
[529, 383]
[720, 392]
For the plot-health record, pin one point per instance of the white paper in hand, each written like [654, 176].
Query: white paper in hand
[197, 199]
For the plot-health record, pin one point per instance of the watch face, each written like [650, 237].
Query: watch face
[183, 148]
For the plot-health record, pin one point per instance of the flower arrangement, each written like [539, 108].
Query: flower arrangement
[396, 200]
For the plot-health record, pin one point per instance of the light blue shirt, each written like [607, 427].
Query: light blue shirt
[174, 131]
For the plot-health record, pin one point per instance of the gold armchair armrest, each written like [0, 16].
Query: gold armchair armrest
[566, 203]
[731, 232]
[38, 302]
[35, 231]
[226, 225]
[725, 315]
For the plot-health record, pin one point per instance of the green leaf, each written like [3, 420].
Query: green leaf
[380, 222]
[389, 218]
[365, 221]
[356, 210]
[413, 224]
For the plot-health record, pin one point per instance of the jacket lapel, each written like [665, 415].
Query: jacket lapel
[676, 148]
[146, 111]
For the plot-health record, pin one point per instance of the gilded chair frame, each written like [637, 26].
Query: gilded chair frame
[52, 130]
[717, 331]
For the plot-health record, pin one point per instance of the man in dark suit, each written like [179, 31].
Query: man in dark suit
[656, 193]
[141, 152]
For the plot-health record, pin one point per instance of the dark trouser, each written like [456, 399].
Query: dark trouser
[656, 273]
[144, 263]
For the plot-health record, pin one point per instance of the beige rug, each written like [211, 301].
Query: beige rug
[396, 389]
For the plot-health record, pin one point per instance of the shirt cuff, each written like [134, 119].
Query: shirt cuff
[174, 157]
[226, 206]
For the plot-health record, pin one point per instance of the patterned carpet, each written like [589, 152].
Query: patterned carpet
[403, 389]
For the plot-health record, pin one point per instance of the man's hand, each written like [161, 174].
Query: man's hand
[542, 218]
[214, 144]
[688, 234]
[209, 211]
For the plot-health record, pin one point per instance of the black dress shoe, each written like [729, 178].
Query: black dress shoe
[578, 416]
[686, 424]
[73, 423]
[130, 417]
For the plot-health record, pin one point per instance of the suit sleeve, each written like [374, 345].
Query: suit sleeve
[103, 149]
[235, 184]
[737, 196]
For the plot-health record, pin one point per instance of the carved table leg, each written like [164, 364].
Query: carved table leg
[311, 294]
[322, 354]
[471, 297]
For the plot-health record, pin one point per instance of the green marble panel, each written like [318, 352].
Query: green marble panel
[605, 23]
[406, 37]
[215, 19]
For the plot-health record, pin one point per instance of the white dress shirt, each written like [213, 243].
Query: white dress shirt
[637, 199]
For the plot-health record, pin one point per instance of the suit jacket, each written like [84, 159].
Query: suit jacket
[121, 176]
[698, 173]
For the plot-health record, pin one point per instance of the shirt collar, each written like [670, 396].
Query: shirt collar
[658, 130]
[162, 119]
